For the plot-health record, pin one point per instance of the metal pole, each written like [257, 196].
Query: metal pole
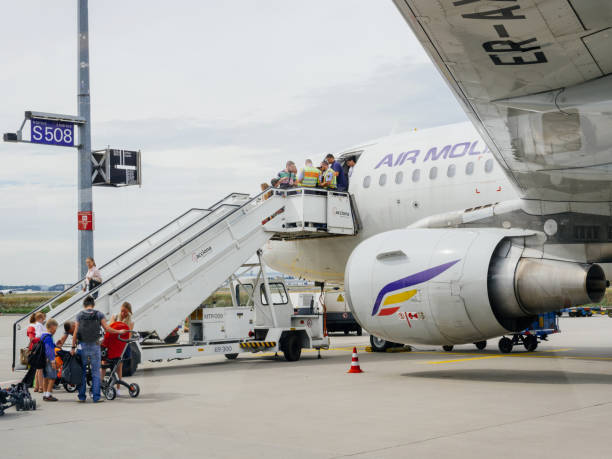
[86, 248]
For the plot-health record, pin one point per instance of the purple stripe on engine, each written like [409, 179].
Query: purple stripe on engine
[414, 279]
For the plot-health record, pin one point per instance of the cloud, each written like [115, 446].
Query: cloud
[221, 122]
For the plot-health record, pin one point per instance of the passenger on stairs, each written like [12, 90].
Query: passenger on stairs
[286, 177]
[264, 187]
[309, 175]
[93, 278]
[337, 168]
[327, 177]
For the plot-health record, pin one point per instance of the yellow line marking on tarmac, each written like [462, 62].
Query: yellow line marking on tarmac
[464, 360]
[557, 350]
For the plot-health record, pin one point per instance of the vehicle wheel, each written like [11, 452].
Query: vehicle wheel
[172, 338]
[292, 347]
[134, 390]
[589, 314]
[505, 345]
[346, 331]
[70, 387]
[572, 314]
[110, 393]
[379, 344]
[530, 343]
[480, 345]
[231, 356]
[448, 348]
[359, 331]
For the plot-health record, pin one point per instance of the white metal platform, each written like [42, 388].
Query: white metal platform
[169, 273]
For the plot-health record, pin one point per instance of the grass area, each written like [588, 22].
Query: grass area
[24, 303]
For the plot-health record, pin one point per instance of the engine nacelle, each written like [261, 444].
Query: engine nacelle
[452, 286]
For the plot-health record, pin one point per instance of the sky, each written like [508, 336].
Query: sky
[216, 95]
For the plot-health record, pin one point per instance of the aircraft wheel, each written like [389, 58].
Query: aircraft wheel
[530, 343]
[448, 348]
[505, 345]
[379, 344]
[480, 345]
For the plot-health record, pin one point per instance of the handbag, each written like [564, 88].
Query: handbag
[24, 355]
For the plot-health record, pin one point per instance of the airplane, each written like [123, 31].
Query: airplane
[469, 231]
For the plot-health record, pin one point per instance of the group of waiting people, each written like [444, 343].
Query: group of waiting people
[329, 175]
[85, 332]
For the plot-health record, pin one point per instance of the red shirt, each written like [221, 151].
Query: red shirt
[113, 343]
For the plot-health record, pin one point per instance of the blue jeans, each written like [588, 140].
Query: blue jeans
[90, 351]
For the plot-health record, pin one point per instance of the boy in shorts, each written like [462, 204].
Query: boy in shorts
[50, 370]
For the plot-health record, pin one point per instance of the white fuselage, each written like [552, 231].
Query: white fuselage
[397, 181]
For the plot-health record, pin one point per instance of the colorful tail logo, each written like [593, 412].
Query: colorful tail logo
[390, 301]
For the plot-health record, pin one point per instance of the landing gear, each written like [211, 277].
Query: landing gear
[380, 344]
[448, 348]
[359, 331]
[480, 345]
[505, 345]
[530, 342]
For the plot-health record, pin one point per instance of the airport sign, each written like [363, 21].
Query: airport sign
[52, 132]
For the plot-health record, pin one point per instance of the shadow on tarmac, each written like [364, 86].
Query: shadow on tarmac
[515, 376]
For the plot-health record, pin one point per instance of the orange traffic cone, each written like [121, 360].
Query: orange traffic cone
[355, 368]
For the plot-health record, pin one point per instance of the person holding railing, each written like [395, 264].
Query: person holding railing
[286, 177]
[93, 278]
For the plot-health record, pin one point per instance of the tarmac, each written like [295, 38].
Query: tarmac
[554, 402]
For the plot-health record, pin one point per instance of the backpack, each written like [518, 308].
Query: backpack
[89, 326]
[38, 357]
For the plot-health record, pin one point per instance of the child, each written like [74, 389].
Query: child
[49, 371]
[39, 329]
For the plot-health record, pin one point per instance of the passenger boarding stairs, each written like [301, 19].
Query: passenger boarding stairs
[168, 274]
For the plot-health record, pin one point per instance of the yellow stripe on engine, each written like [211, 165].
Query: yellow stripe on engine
[399, 297]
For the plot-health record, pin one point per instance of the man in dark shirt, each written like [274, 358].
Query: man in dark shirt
[337, 168]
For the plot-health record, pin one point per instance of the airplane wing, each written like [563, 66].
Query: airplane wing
[535, 77]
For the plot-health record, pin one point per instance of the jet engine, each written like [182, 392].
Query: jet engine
[453, 286]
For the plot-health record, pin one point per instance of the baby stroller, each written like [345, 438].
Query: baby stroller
[60, 355]
[114, 350]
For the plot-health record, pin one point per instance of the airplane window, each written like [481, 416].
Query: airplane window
[382, 180]
[469, 168]
[433, 173]
[416, 175]
[488, 165]
[451, 170]
[366, 181]
[399, 177]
